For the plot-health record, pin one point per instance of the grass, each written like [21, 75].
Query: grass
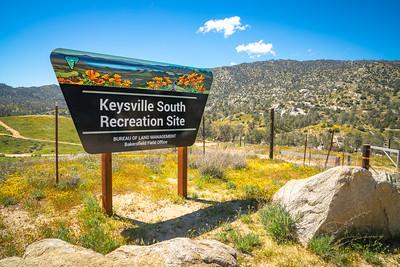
[245, 243]
[3, 130]
[278, 223]
[263, 177]
[73, 216]
[336, 251]
[95, 229]
[96, 233]
[42, 127]
[324, 247]
[58, 229]
[10, 145]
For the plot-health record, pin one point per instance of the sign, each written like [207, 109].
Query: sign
[123, 104]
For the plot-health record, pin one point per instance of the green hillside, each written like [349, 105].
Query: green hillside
[3, 131]
[39, 133]
[10, 145]
[43, 127]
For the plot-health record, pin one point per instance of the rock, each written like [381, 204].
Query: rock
[342, 199]
[11, 261]
[55, 252]
[174, 252]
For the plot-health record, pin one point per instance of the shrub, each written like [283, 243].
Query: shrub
[38, 194]
[230, 185]
[255, 194]
[153, 163]
[69, 183]
[238, 162]
[8, 201]
[213, 164]
[251, 191]
[278, 223]
[212, 170]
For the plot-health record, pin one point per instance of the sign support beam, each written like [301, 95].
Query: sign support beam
[56, 143]
[182, 172]
[106, 183]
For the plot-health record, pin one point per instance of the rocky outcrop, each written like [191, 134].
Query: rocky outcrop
[174, 252]
[342, 199]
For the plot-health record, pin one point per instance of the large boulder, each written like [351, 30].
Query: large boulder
[174, 252]
[342, 199]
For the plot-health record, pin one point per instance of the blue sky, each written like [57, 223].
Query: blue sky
[168, 31]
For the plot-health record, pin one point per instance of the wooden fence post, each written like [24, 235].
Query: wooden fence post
[272, 128]
[343, 158]
[330, 148]
[366, 153]
[337, 161]
[305, 150]
[106, 182]
[56, 133]
[182, 171]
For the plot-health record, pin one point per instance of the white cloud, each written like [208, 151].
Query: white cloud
[227, 25]
[233, 63]
[309, 50]
[256, 49]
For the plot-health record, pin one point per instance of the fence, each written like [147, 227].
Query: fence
[367, 155]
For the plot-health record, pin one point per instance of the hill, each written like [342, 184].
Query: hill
[362, 95]
[359, 93]
[30, 100]
[34, 134]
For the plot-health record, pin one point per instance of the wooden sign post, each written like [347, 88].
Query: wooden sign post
[106, 183]
[56, 143]
[182, 171]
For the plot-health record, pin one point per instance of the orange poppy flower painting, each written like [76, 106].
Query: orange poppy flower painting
[83, 68]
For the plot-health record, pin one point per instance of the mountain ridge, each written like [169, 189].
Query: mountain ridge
[355, 92]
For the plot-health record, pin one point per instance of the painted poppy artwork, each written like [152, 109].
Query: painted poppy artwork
[84, 68]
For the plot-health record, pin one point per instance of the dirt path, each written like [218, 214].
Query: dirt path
[16, 134]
